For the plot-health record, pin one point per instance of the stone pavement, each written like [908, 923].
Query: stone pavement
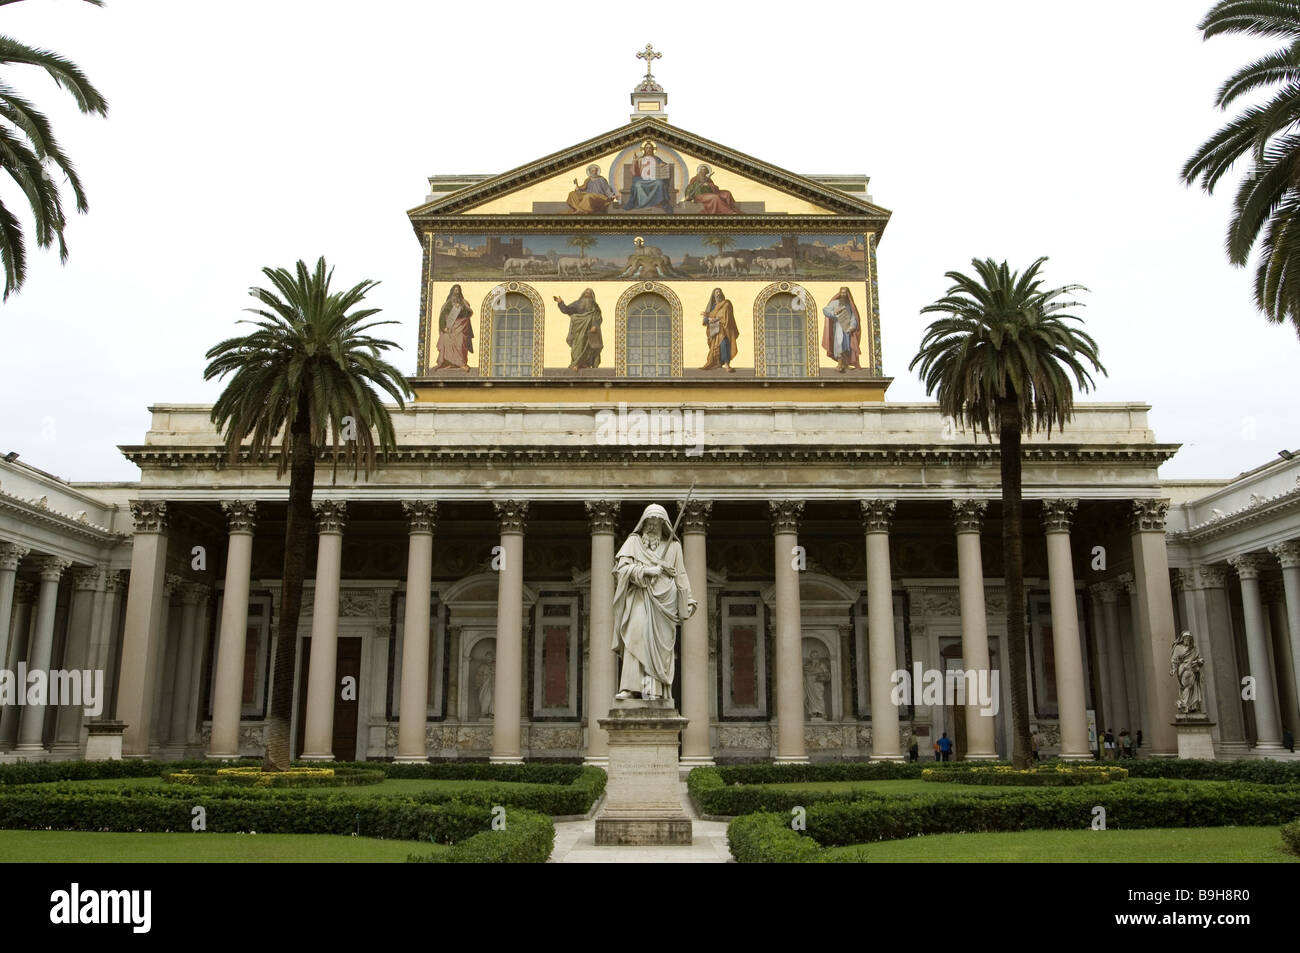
[575, 843]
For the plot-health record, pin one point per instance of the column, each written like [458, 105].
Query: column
[1273, 592]
[1129, 641]
[31, 721]
[232, 634]
[1268, 734]
[1068, 653]
[696, 749]
[1153, 626]
[882, 662]
[141, 634]
[193, 595]
[786, 515]
[11, 554]
[24, 594]
[318, 738]
[169, 638]
[511, 515]
[1223, 684]
[602, 516]
[87, 583]
[106, 634]
[413, 700]
[1117, 687]
[1288, 554]
[981, 728]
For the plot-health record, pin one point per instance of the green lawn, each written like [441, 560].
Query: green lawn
[1155, 845]
[77, 847]
[389, 787]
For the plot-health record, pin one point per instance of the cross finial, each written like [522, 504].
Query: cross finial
[649, 55]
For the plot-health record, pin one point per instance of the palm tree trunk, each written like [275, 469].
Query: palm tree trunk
[297, 540]
[1013, 558]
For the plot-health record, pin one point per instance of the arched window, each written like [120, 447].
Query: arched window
[649, 337]
[512, 332]
[785, 332]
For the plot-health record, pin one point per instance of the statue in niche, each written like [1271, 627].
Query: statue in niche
[720, 325]
[816, 675]
[485, 682]
[652, 595]
[1185, 664]
[455, 334]
[584, 337]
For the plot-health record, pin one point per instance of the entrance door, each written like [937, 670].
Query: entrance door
[347, 663]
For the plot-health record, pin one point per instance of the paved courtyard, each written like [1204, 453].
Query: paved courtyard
[575, 843]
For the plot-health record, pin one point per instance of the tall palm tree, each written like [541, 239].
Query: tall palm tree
[1268, 198]
[29, 154]
[1002, 360]
[582, 243]
[307, 369]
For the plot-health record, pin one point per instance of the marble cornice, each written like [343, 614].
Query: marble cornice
[38, 511]
[1250, 515]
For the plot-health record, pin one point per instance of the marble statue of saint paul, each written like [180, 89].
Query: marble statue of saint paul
[651, 597]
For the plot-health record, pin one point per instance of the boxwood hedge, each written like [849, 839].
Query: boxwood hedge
[527, 838]
[1291, 836]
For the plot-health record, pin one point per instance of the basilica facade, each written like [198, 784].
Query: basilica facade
[651, 317]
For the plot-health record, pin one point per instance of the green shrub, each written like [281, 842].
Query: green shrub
[528, 838]
[1256, 770]
[43, 772]
[1054, 775]
[253, 777]
[769, 839]
[1291, 836]
[768, 773]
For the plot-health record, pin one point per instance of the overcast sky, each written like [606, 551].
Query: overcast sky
[245, 134]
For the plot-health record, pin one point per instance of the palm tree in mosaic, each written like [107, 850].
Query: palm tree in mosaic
[31, 156]
[306, 375]
[1268, 199]
[1002, 360]
[582, 243]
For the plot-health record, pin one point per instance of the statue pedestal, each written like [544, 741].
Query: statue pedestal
[104, 740]
[643, 804]
[1194, 738]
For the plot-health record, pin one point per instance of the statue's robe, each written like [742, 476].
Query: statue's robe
[647, 609]
[455, 334]
[843, 331]
[584, 337]
[713, 200]
[592, 197]
[723, 335]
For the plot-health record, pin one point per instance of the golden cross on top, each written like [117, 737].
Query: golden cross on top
[649, 55]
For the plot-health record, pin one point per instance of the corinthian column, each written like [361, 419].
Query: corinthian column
[24, 594]
[695, 639]
[511, 514]
[603, 518]
[193, 596]
[11, 554]
[1068, 653]
[413, 703]
[228, 691]
[31, 724]
[1288, 554]
[968, 515]
[87, 584]
[1153, 623]
[318, 739]
[882, 659]
[142, 634]
[786, 515]
[1268, 735]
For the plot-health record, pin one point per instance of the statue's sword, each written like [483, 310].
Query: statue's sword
[681, 510]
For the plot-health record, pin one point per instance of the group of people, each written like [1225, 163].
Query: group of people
[1124, 747]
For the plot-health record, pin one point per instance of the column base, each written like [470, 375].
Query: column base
[701, 761]
[981, 756]
[411, 759]
[791, 759]
[896, 758]
[41, 750]
[222, 756]
[1076, 756]
[597, 761]
[1261, 747]
[65, 751]
[316, 757]
[505, 759]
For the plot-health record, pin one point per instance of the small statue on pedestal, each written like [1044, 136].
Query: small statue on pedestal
[1185, 664]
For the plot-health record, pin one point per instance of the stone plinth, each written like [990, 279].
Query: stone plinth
[104, 740]
[1194, 738]
[642, 801]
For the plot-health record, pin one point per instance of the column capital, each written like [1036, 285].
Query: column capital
[968, 515]
[1128, 581]
[11, 554]
[696, 519]
[420, 514]
[877, 515]
[331, 515]
[149, 516]
[602, 515]
[512, 515]
[51, 568]
[786, 515]
[1248, 565]
[116, 581]
[1058, 515]
[241, 515]
[1148, 516]
[1288, 553]
[194, 593]
[1184, 580]
[1108, 590]
[1212, 577]
[88, 578]
[173, 582]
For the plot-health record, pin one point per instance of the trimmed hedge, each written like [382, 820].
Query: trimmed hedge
[528, 838]
[1255, 770]
[769, 839]
[713, 795]
[767, 773]
[1291, 836]
[1049, 776]
[254, 777]
[1136, 804]
[45, 772]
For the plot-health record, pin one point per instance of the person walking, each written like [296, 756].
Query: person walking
[945, 747]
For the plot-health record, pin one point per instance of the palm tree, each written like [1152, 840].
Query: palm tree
[1268, 198]
[719, 243]
[1002, 360]
[582, 243]
[29, 154]
[305, 375]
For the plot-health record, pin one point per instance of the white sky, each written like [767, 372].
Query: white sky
[245, 134]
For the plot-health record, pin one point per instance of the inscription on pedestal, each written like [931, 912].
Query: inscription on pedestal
[642, 801]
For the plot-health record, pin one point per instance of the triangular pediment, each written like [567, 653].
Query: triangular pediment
[629, 187]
